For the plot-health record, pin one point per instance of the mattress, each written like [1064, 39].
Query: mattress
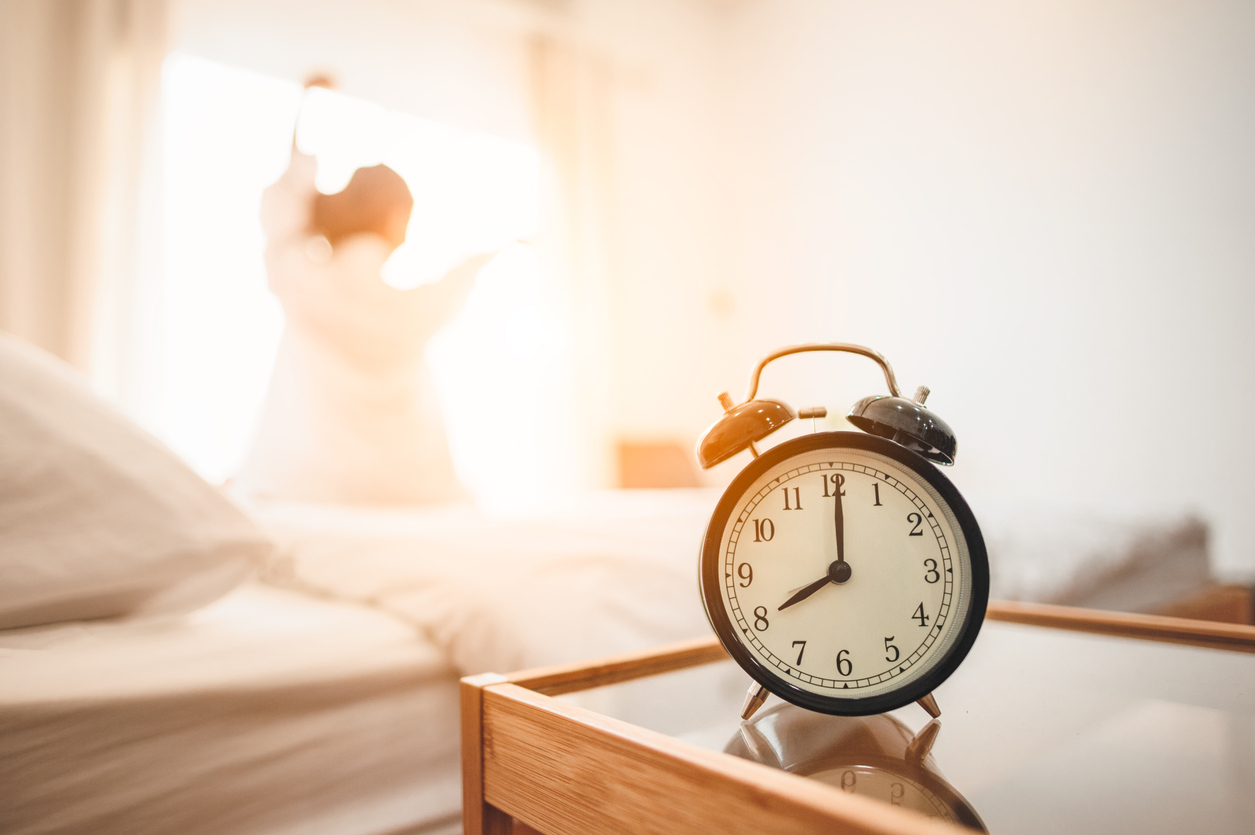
[268, 711]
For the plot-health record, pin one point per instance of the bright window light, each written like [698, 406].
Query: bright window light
[228, 134]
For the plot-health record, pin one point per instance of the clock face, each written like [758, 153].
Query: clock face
[844, 573]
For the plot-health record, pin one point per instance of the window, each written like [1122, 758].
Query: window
[228, 134]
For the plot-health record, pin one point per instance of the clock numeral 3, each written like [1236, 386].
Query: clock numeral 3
[932, 575]
[764, 530]
[760, 619]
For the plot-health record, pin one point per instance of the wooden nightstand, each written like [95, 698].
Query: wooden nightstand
[1043, 728]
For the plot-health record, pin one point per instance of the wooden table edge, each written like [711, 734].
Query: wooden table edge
[480, 816]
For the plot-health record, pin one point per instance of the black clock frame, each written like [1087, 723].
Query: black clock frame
[709, 579]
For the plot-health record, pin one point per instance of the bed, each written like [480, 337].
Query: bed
[265, 711]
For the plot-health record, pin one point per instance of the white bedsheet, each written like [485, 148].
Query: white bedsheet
[616, 571]
[601, 574]
[265, 712]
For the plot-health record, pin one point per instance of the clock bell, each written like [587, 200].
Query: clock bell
[904, 421]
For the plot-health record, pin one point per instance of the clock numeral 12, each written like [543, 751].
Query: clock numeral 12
[837, 480]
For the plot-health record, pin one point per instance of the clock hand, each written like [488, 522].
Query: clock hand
[838, 518]
[838, 572]
[806, 592]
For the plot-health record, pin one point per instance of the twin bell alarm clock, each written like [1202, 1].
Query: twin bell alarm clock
[842, 570]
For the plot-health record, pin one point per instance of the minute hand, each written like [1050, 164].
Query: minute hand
[838, 516]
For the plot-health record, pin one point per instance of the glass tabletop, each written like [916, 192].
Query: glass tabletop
[1041, 731]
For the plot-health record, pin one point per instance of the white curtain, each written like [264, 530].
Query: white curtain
[79, 180]
[572, 92]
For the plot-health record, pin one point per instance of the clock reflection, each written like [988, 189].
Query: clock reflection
[873, 756]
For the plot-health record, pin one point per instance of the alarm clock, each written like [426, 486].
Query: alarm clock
[841, 570]
[874, 756]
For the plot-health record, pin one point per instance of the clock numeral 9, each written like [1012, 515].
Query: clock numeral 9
[932, 575]
[760, 619]
[918, 521]
[844, 666]
[764, 530]
[746, 572]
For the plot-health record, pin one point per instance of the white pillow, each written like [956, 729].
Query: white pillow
[97, 518]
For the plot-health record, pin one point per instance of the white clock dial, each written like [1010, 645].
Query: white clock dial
[843, 573]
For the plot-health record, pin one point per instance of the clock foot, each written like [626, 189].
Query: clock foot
[929, 704]
[753, 700]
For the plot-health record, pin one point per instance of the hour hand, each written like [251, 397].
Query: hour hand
[838, 572]
[805, 592]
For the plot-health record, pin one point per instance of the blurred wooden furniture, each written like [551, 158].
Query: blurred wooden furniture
[534, 762]
[655, 464]
[1226, 603]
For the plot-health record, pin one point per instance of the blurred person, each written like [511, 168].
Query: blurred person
[351, 415]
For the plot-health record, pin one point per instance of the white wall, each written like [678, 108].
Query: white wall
[1044, 210]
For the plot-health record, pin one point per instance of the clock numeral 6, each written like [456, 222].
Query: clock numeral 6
[844, 666]
[746, 572]
[760, 619]
[764, 530]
